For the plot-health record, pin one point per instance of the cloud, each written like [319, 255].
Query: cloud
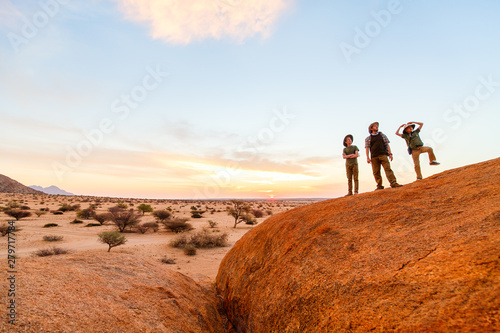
[184, 21]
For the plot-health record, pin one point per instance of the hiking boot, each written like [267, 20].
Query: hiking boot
[396, 185]
[434, 163]
[379, 188]
[348, 194]
[419, 178]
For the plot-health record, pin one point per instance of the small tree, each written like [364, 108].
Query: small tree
[145, 208]
[101, 218]
[17, 213]
[112, 238]
[162, 215]
[238, 209]
[123, 218]
[85, 214]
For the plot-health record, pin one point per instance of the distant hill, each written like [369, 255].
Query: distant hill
[51, 190]
[9, 185]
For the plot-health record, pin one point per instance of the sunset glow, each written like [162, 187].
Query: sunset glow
[239, 99]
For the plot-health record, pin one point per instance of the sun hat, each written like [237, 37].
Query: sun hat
[348, 136]
[371, 125]
[408, 125]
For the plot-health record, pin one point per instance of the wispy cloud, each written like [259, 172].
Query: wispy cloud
[184, 21]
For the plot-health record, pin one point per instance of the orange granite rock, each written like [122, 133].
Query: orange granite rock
[421, 258]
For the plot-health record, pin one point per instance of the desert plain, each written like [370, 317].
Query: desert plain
[82, 237]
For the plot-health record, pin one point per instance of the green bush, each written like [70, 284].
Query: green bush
[112, 238]
[145, 208]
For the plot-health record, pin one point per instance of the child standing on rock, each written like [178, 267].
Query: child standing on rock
[350, 154]
[415, 145]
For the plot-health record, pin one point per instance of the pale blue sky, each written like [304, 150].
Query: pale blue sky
[226, 85]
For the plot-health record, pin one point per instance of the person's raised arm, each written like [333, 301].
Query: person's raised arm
[399, 128]
[419, 124]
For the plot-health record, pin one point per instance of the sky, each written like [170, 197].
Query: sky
[199, 99]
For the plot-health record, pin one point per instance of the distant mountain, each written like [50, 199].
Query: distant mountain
[51, 190]
[9, 185]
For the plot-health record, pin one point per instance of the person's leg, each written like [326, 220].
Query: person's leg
[349, 178]
[355, 172]
[415, 154]
[384, 160]
[429, 150]
[376, 171]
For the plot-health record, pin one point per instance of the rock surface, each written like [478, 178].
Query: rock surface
[424, 257]
[108, 292]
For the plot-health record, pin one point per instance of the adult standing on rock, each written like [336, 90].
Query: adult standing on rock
[378, 153]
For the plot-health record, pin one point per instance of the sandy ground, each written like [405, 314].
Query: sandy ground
[78, 238]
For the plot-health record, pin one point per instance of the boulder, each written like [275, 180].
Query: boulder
[423, 257]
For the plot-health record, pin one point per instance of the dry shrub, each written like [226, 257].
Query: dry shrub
[144, 227]
[201, 239]
[257, 213]
[179, 242]
[52, 238]
[51, 252]
[178, 225]
[50, 225]
[168, 261]
[162, 215]
[190, 250]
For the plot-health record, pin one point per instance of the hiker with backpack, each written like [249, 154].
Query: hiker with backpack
[415, 145]
[378, 153]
